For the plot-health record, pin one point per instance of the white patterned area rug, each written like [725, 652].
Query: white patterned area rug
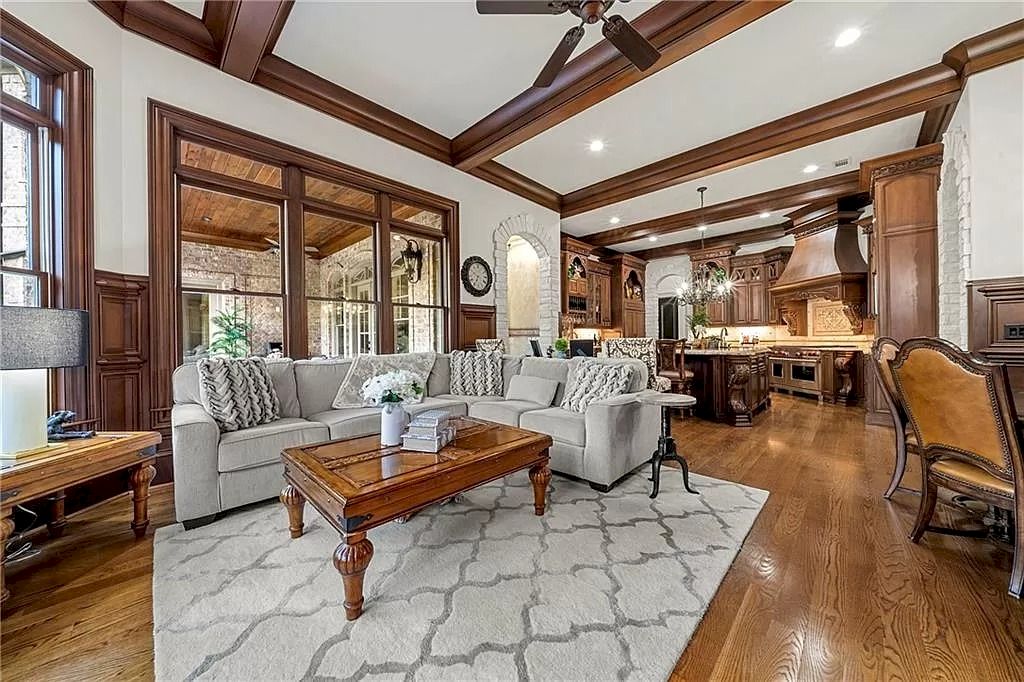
[603, 587]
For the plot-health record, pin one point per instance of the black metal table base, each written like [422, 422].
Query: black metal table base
[667, 450]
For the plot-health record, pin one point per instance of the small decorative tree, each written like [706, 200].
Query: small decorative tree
[698, 322]
[232, 335]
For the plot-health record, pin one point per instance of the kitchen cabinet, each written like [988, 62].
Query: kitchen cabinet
[599, 299]
[730, 386]
[627, 294]
[753, 277]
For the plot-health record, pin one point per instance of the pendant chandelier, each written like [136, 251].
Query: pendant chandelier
[707, 282]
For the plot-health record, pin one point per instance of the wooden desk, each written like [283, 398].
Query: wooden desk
[48, 473]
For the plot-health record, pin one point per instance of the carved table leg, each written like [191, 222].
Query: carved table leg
[294, 502]
[540, 475]
[6, 528]
[141, 477]
[351, 559]
[55, 526]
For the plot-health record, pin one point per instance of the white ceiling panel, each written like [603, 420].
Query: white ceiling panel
[438, 63]
[193, 7]
[768, 174]
[780, 64]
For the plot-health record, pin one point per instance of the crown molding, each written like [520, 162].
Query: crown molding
[677, 29]
[831, 187]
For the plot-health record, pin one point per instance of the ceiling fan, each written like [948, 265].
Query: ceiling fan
[275, 247]
[617, 30]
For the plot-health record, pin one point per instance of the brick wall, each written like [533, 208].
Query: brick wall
[954, 237]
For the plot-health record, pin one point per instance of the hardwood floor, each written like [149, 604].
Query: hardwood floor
[826, 587]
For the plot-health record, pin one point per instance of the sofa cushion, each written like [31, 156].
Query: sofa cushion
[502, 411]
[468, 399]
[237, 392]
[263, 444]
[455, 405]
[563, 425]
[185, 385]
[555, 369]
[533, 389]
[476, 373]
[317, 382]
[352, 422]
[365, 367]
[590, 381]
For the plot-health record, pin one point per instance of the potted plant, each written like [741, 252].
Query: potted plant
[391, 391]
[561, 348]
[232, 335]
[698, 322]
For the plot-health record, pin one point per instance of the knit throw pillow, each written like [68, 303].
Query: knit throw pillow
[476, 373]
[592, 381]
[237, 392]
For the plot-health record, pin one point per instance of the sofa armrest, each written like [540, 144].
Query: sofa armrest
[622, 433]
[195, 438]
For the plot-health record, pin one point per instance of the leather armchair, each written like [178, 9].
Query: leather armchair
[883, 350]
[962, 412]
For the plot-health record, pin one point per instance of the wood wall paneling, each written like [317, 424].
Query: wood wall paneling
[477, 322]
[991, 305]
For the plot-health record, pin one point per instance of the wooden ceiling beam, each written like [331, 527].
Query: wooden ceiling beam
[245, 32]
[164, 23]
[517, 183]
[910, 94]
[677, 29]
[974, 55]
[831, 187]
[759, 234]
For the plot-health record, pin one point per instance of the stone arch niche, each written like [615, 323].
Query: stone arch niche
[523, 226]
[658, 271]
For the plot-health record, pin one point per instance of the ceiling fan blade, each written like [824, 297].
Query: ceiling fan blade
[559, 57]
[630, 43]
[520, 7]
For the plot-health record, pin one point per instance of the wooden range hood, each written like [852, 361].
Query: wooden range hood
[826, 263]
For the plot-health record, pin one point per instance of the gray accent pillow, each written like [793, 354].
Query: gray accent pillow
[592, 380]
[350, 393]
[237, 392]
[476, 373]
[532, 389]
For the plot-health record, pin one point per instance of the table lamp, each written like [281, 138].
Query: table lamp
[33, 341]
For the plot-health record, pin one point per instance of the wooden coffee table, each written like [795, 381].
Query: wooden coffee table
[358, 484]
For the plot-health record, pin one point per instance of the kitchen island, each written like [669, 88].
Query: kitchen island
[731, 384]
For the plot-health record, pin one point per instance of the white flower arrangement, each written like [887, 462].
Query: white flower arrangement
[400, 386]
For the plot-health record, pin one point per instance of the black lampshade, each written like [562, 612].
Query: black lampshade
[43, 338]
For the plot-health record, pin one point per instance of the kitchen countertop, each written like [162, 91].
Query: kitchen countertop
[726, 351]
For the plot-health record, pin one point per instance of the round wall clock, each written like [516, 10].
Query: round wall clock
[477, 276]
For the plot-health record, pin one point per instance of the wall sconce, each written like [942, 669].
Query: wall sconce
[412, 257]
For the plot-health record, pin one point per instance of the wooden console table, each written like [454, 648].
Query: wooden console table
[48, 473]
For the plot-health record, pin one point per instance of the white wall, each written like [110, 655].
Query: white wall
[129, 69]
[991, 111]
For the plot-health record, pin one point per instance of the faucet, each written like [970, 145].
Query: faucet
[722, 343]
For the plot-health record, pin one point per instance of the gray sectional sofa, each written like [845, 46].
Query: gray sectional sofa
[215, 471]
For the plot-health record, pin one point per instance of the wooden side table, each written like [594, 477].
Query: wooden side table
[48, 473]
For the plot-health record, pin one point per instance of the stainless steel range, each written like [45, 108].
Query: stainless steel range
[795, 370]
[831, 374]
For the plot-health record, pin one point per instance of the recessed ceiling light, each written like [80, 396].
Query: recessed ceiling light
[764, 214]
[810, 168]
[614, 220]
[652, 238]
[702, 228]
[206, 219]
[596, 145]
[847, 37]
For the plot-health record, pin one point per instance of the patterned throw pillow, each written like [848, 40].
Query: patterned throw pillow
[490, 344]
[350, 393]
[237, 392]
[476, 373]
[594, 380]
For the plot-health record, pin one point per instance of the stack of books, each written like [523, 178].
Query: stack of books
[429, 431]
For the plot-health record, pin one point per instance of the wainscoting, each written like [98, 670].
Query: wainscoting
[476, 322]
[992, 304]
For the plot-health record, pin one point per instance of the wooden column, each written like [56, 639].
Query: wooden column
[905, 261]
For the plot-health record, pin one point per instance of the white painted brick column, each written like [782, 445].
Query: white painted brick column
[546, 246]
[954, 236]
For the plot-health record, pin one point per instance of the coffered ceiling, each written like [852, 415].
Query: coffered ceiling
[745, 96]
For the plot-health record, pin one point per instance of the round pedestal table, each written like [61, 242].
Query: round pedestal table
[666, 443]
